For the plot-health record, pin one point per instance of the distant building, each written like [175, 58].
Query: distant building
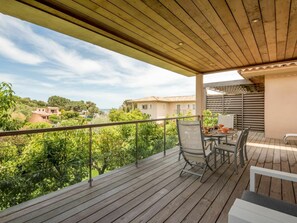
[160, 107]
[42, 114]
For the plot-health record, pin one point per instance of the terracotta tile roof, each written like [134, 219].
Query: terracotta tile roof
[269, 66]
[165, 99]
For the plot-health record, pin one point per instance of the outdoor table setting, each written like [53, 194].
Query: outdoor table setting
[219, 133]
[216, 135]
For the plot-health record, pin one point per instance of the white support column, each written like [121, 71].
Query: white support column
[199, 94]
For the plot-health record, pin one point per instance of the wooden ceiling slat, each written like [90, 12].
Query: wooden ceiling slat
[282, 10]
[268, 16]
[199, 18]
[186, 36]
[216, 22]
[224, 12]
[141, 6]
[91, 10]
[90, 27]
[242, 20]
[118, 27]
[254, 12]
[145, 33]
[151, 26]
[189, 22]
[199, 45]
[292, 33]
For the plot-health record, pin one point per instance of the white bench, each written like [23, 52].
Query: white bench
[289, 135]
[248, 209]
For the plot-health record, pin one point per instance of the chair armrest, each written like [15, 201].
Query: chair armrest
[270, 173]
[247, 212]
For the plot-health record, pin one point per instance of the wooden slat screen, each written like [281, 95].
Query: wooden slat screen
[248, 109]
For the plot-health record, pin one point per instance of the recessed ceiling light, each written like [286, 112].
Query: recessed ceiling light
[255, 20]
[180, 43]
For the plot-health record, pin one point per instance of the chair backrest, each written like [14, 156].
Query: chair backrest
[190, 136]
[245, 136]
[226, 120]
[240, 140]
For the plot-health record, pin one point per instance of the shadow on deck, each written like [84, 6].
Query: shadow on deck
[154, 192]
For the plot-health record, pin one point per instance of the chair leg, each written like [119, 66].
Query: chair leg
[204, 170]
[183, 169]
[215, 158]
[241, 158]
[228, 157]
[235, 164]
[245, 152]
[207, 164]
[179, 155]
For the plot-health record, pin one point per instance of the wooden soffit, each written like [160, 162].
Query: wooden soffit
[185, 36]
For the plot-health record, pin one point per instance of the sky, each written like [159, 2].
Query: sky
[40, 63]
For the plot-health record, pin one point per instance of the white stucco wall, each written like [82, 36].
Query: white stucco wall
[280, 106]
[162, 109]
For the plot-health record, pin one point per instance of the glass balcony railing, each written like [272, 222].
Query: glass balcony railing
[39, 161]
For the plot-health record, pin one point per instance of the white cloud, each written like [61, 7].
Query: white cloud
[24, 82]
[81, 71]
[11, 51]
[63, 58]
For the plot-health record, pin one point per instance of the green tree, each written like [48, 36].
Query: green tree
[41, 163]
[69, 114]
[110, 150]
[7, 102]
[76, 106]
[128, 106]
[92, 108]
[57, 101]
[54, 118]
[118, 115]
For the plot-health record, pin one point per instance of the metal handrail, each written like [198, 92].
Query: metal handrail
[56, 129]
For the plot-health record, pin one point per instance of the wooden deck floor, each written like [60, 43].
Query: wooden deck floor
[154, 192]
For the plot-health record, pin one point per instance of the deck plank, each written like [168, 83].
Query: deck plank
[240, 180]
[245, 178]
[154, 192]
[276, 184]
[287, 187]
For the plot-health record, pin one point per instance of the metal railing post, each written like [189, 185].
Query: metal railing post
[164, 138]
[136, 145]
[90, 157]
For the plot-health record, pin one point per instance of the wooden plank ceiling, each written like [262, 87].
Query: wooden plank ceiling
[186, 36]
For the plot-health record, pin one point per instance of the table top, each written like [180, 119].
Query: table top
[218, 134]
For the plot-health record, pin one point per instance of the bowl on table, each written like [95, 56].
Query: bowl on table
[224, 130]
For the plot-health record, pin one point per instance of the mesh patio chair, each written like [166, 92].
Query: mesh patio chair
[233, 142]
[236, 149]
[192, 147]
[226, 120]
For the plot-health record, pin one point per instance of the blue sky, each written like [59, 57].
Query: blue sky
[39, 63]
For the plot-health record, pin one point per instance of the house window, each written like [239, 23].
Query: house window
[151, 106]
[144, 107]
[194, 107]
[188, 106]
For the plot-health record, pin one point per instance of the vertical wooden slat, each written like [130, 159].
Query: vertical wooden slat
[242, 20]
[282, 10]
[292, 32]
[268, 17]
[248, 109]
[254, 13]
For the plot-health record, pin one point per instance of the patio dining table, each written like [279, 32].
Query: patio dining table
[218, 136]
